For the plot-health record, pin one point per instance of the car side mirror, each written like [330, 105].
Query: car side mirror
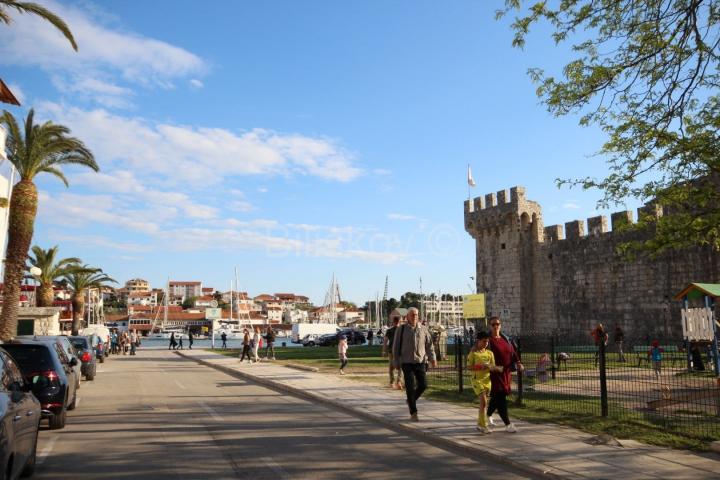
[73, 362]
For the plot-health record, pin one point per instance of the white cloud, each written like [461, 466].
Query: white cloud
[170, 228]
[132, 191]
[241, 206]
[98, 241]
[571, 206]
[382, 172]
[196, 83]
[401, 217]
[103, 52]
[79, 210]
[186, 154]
[262, 190]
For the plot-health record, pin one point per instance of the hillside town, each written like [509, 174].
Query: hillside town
[191, 307]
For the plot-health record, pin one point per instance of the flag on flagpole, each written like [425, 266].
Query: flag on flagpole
[471, 182]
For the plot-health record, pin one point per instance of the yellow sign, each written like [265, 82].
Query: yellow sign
[474, 306]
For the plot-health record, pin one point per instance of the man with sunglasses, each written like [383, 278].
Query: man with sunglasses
[507, 357]
[412, 348]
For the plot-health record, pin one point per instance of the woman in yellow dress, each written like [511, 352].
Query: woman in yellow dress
[481, 362]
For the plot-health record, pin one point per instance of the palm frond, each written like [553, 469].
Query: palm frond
[42, 12]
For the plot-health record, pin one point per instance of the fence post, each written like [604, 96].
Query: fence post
[519, 374]
[603, 379]
[459, 361]
[553, 355]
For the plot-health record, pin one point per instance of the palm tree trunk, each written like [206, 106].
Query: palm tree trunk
[78, 304]
[45, 295]
[23, 208]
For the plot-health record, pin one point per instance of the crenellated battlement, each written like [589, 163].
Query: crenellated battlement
[491, 202]
[597, 226]
[504, 210]
[498, 210]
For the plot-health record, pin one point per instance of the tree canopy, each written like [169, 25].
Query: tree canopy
[647, 72]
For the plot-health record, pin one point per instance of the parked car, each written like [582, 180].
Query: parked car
[67, 347]
[49, 370]
[309, 340]
[103, 334]
[354, 337]
[84, 347]
[19, 421]
[327, 340]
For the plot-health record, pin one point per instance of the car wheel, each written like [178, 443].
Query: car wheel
[311, 344]
[101, 358]
[72, 405]
[29, 468]
[89, 378]
[58, 421]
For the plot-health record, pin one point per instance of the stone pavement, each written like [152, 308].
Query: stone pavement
[545, 451]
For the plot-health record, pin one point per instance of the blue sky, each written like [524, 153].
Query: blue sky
[291, 139]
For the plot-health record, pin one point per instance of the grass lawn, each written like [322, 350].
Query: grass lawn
[582, 412]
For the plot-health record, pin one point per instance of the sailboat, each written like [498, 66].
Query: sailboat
[163, 330]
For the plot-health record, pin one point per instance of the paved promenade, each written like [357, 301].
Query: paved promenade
[548, 451]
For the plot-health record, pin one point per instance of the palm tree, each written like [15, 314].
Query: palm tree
[50, 270]
[79, 280]
[35, 9]
[42, 149]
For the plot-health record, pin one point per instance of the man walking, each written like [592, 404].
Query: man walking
[413, 348]
[223, 336]
[190, 339]
[393, 366]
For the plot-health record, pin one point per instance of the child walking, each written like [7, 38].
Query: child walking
[655, 354]
[342, 353]
[481, 362]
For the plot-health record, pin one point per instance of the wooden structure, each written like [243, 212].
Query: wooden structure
[699, 323]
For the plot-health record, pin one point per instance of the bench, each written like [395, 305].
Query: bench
[643, 353]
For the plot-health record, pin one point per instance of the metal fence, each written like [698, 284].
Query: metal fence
[567, 373]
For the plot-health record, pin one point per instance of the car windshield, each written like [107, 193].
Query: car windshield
[30, 358]
[79, 343]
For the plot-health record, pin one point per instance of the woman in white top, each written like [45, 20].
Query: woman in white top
[256, 344]
[342, 353]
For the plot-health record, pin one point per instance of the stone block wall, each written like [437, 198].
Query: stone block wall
[553, 277]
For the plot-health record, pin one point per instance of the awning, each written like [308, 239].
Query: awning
[6, 95]
[697, 290]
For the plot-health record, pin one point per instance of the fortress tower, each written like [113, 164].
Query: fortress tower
[505, 228]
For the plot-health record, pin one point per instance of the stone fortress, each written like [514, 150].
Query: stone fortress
[539, 278]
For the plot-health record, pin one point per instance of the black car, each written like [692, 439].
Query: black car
[19, 421]
[50, 372]
[85, 350]
[332, 339]
[327, 340]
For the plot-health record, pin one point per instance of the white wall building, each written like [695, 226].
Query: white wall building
[185, 289]
[295, 316]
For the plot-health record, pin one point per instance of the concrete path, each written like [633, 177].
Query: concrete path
[548, 451]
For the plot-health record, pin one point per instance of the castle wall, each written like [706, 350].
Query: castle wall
[571, 276]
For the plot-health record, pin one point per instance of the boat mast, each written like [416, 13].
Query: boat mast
[232, 299]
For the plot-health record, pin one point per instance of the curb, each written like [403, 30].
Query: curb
[430, 438]
[302, 367]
